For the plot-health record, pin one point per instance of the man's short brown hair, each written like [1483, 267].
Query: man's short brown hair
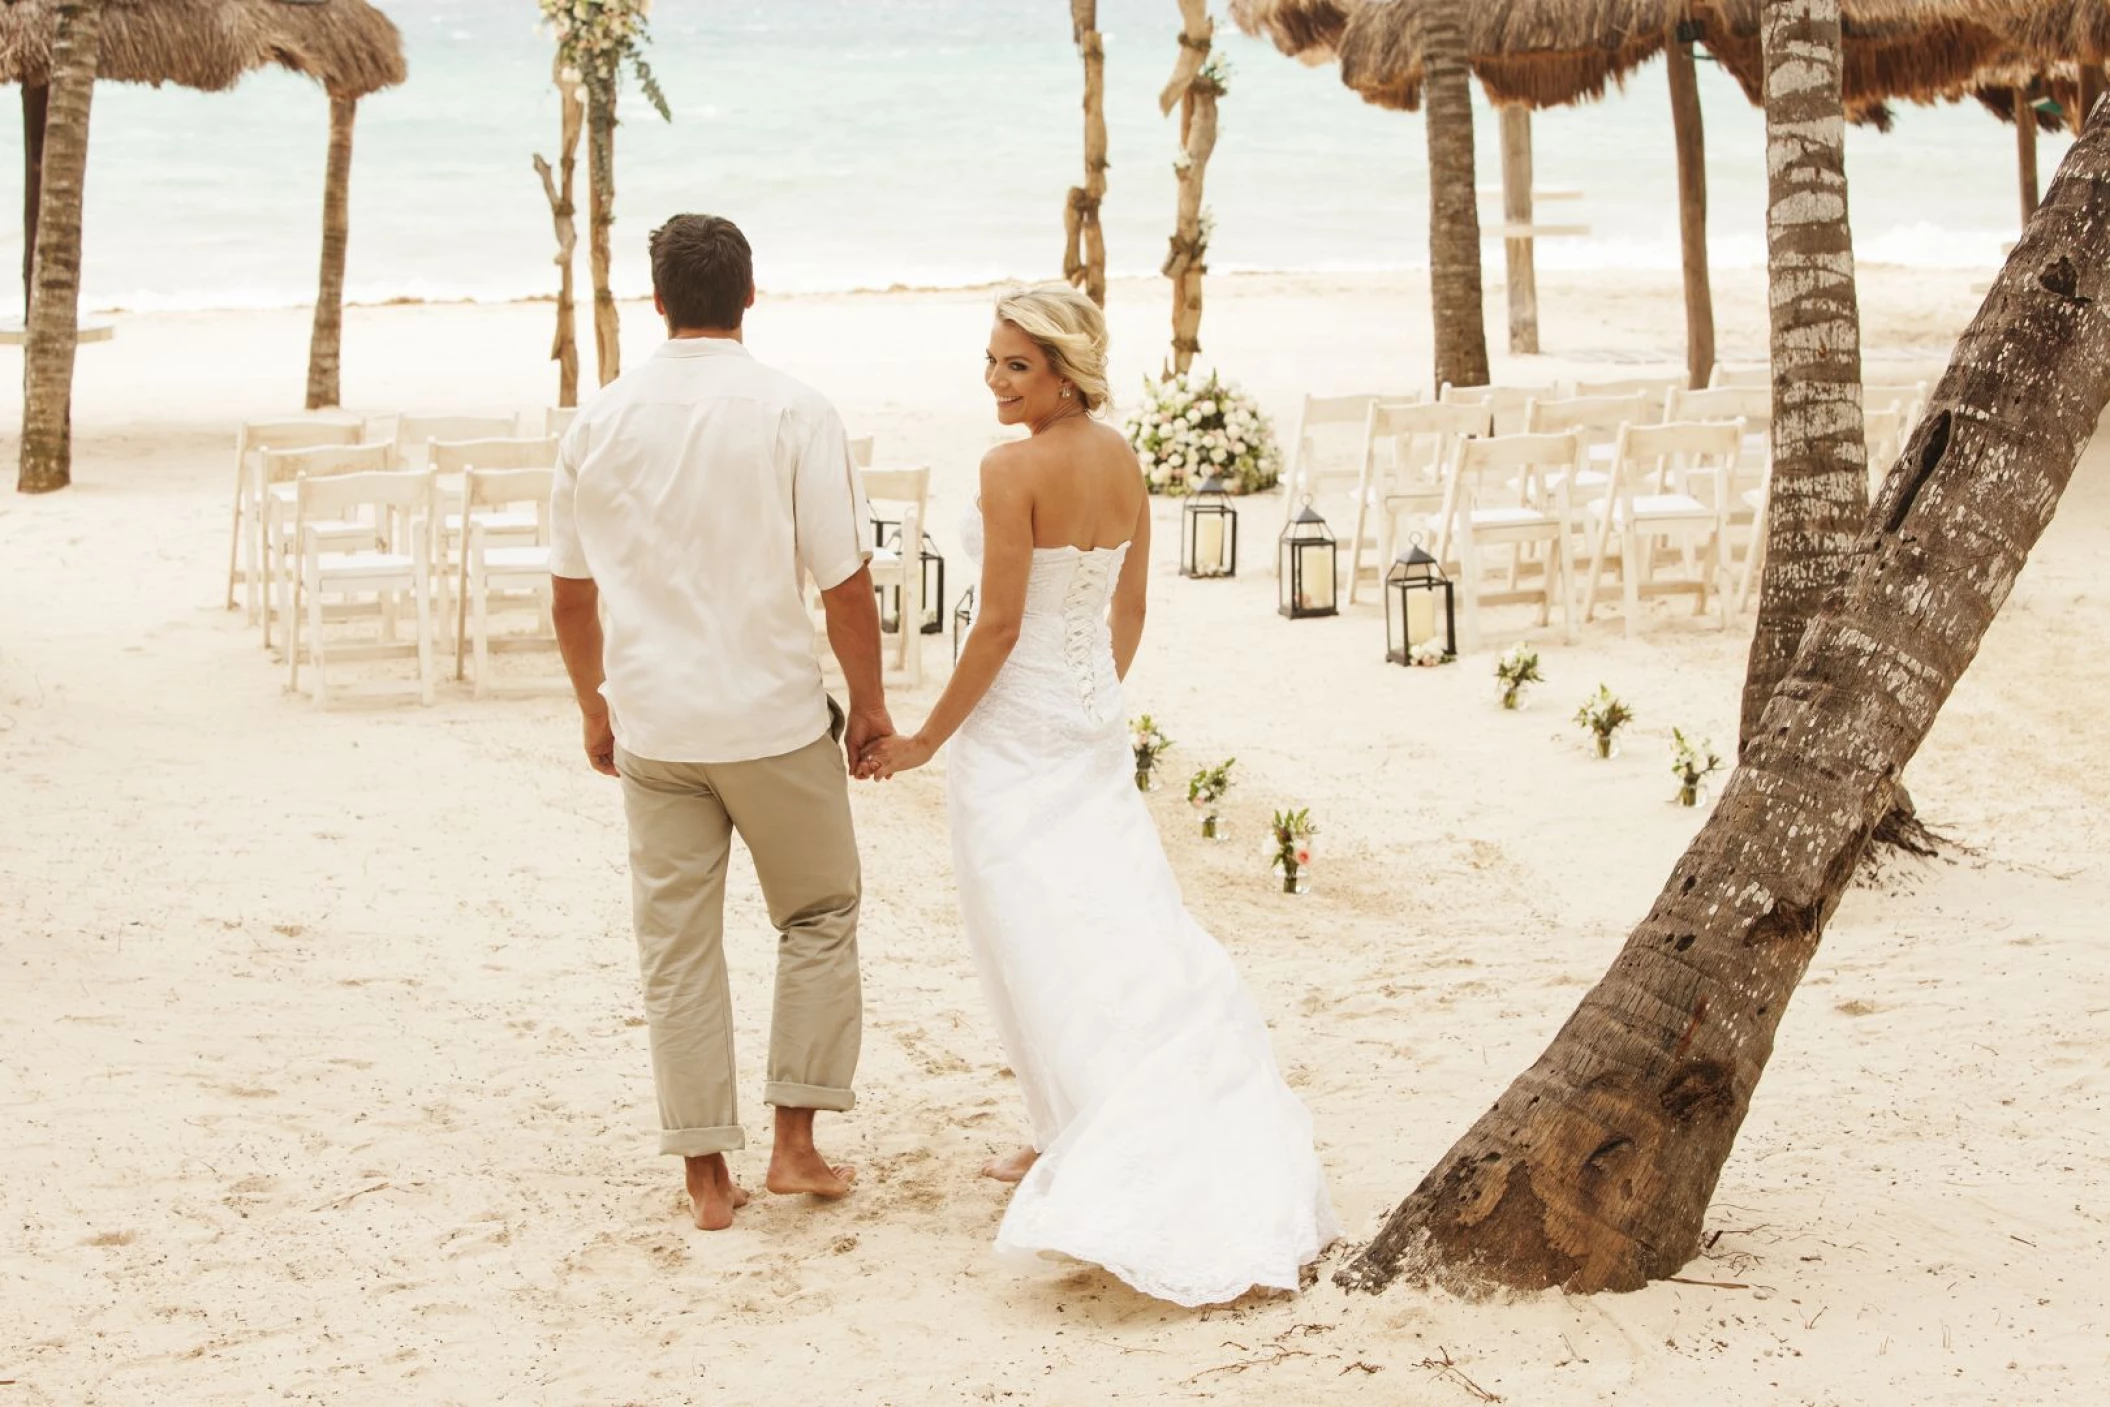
[702, 271]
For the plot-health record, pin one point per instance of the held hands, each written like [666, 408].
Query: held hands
[862, 728]
[898, 753]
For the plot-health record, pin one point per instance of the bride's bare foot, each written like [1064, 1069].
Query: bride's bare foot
[712, 1192]
[796, 1166]
[1012, 1167]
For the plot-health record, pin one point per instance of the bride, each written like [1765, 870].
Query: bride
[1166, 1147]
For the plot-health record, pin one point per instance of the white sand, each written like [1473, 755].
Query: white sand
[325, 1078]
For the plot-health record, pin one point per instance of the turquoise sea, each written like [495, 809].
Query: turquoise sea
[867, 143]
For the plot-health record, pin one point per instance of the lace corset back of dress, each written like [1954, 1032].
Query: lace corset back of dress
[1064, 629]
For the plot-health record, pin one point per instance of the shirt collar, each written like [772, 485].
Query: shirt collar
[701, 347]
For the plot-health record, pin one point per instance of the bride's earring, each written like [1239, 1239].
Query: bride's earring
[1065, 392]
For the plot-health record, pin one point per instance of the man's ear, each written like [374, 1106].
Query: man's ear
[750, 297]
[659, 304]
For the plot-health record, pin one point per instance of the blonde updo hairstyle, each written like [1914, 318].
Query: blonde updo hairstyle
[1070, 331]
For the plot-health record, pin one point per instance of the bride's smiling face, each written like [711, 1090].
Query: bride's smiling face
[1026, 388]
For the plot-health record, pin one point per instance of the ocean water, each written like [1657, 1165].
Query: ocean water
[869, 143]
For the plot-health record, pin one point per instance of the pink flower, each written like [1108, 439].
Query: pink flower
[1304, 855]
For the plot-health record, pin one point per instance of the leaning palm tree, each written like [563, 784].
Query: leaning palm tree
[1595, 1169]
[596, 39]
[53, 323]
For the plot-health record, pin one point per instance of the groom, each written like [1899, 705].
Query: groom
[691, 499]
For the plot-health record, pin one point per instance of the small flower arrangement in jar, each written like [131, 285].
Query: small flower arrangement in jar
[1692, 761]
[1149, 744]
[1604, 714]
[1205, 793]
[1518, 666]
[1289, 846]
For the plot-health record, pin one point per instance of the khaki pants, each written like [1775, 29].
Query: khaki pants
[793, 812]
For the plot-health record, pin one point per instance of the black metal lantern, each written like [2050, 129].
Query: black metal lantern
[962, 617]
[1209, 532]
[931, 562]
[1309, 566]
[1419, 607]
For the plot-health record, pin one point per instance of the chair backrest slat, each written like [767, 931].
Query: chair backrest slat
[320, 461]
[1696, 448]
[415, 433]
[1725, 375]
[1596, 418]
[378, 488]
[1506, 404]
[493, 488]
[1654, 388]
[295, 434]
[1750, 404]
[504, 452]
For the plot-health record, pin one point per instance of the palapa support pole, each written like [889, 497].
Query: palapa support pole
[2091, 90]
[1084, 251]
[36, 99]
[1691, 141]
[600, 162]
[326, 342]
[1520, 260]
[557, 186]
[1194, 89]
[2026, 150]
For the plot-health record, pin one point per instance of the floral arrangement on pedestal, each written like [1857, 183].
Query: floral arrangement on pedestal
[1289, 846]
[1205, 793]
[1148, 743]
[1190, 428]
[1604, 714]
[1692, 761]
[1518, 666]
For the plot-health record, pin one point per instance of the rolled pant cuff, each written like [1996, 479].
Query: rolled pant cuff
[700, 1143]
[790, 1096]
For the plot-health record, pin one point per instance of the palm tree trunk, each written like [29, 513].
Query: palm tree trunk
[35, 100]
[326, 343]
[600, 161]
[1594, 1170]
[1084, 249]
[1454, 214]
[1691, 141]
[557, 186]
[1820, 463]
[53, 325]
[1194, 93]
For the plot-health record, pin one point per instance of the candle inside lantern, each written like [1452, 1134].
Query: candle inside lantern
[1209, 546]
[1421, 616]
[1317, 576]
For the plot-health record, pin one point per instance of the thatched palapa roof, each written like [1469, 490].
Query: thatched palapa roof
[1548, 53]
[347, 46]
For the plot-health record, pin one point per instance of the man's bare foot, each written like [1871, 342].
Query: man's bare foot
[810, 1173]
[795, 1166]
[1012, 1167]
[712, 1192]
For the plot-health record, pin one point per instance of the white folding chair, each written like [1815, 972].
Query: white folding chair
[1510, 491]
[1595, 421]
[1323, 457]
[557, 419]
[1407, 448]
[397, 507]
[415, 433]
[1883, 431]
[1655, 388]
[488, 566]
[861, 452]
[1506, 404]
[250, 437]
[1727, 375]
[1655, 472]
[278, 472]
[900, 570]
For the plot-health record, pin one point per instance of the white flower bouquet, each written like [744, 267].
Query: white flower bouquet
[1191, 428]
[1518, 666]
[1604, 714]
[1692, 760]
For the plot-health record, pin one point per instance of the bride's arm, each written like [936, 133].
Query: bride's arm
[1126, 618]
[1000, 606]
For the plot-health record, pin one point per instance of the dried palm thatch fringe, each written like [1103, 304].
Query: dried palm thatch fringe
[347, 46]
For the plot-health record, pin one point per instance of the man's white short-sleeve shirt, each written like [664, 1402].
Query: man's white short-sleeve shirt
[694, 491]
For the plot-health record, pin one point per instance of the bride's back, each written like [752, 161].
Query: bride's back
[1086, 488]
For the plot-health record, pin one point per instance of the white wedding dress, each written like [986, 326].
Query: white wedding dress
[1171, 1152]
